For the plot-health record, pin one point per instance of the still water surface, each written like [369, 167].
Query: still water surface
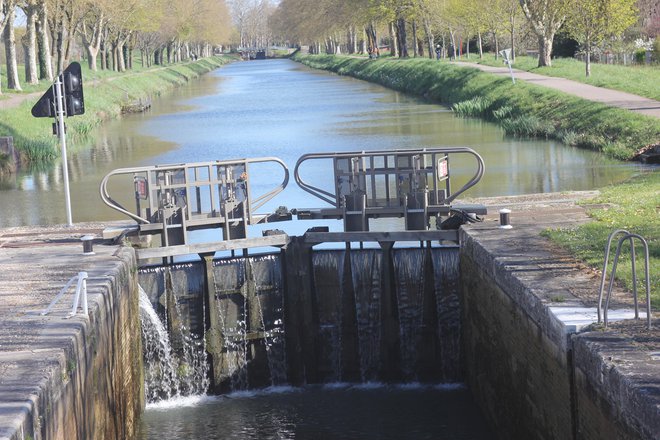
[280, 108]
[332, 412]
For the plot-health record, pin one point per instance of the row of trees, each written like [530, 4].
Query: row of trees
[250, 18]
[414, 25]
[57, 31]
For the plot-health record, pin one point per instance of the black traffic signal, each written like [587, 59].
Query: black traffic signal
[73, 90]
[74, 103]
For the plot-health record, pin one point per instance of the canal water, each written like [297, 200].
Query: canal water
[283, 109]
[332, 412]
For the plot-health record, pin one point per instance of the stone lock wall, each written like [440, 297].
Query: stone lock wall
[532, 370]
[96, 390]
[518, 374]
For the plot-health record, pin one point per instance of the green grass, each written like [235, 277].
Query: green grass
[103, 100]
[633, 206]
[524, 110]
[638, 80]
[88, 76]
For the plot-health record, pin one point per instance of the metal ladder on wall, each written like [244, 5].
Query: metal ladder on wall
[631, 238]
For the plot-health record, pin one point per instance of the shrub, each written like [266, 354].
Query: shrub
[527, 126]
[475, 107]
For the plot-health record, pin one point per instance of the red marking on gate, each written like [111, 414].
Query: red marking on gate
[443, 169]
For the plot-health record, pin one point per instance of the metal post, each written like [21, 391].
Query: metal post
[506, 53]
[59, 108]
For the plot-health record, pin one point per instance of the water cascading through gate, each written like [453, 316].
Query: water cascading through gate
[365, 315]
[175, 361]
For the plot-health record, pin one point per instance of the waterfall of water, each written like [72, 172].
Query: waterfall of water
[267, 275]
[168, 374]
[366, 280]
[160, 376]
[248, 301]
[371, 316]
[328, 273]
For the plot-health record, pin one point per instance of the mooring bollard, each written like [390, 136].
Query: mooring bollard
[88, 243]
[505, 219]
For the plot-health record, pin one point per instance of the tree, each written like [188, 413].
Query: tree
[31, 9]
[545, 17]
[43, 42]
[591, 21]
[92, 31]
[9, 12]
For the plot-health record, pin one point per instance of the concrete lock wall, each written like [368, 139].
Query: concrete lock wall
[517, 370]
[535, 377]
[614, 387]
[97, 391]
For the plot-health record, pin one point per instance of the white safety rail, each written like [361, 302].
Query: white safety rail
[81, 292]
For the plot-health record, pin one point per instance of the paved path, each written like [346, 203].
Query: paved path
[609, 97]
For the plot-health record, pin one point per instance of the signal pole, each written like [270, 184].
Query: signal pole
[64, 98]
[60, 110]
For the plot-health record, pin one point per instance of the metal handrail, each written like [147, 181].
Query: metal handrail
[627, 236]
[81, 293]
[255, 203]
[332, 199]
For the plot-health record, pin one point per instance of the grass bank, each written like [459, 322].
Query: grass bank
[522, 110]
[104, 96]
[632, 206]
[638, 80]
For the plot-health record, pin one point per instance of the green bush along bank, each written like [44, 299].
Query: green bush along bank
[521, 109]
[104, 99]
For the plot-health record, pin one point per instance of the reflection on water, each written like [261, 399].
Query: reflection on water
[279, 108]
[364, 412]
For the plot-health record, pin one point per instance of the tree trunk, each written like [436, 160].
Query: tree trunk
[121, 65]
[513, 40]
[363, 42]
[394, 47]
[60, 50]
[125, 61]
[92, 43]
[444, 46]
[467, 51]
[545, 51]
[372, 41]
[44, 53]
[430, 39]
[402, 37]
[104, 56]
[588, 58]
[115, 57]
[497, 45]
[481, 47]
[13, 83]
[414, 30]
[452, 43]
[30, 39]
